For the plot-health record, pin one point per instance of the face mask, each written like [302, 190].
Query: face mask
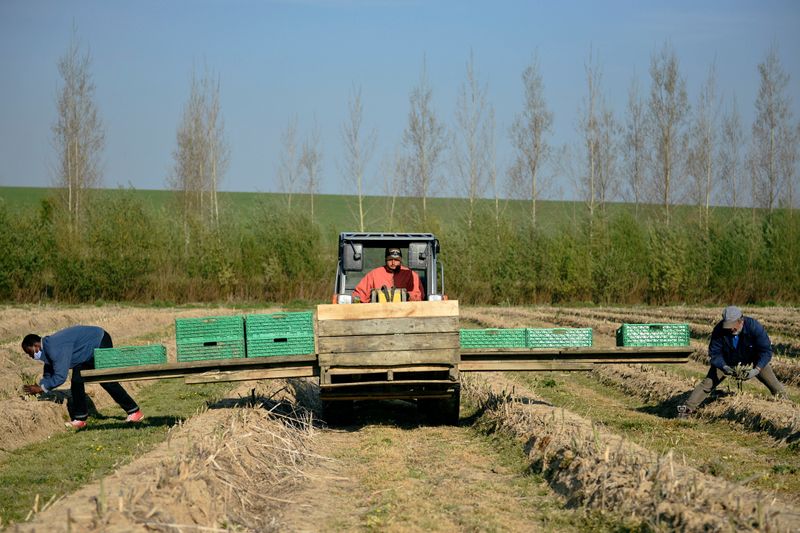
[38, 355]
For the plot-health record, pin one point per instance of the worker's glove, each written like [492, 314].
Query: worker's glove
[727, 370]
[753, 373]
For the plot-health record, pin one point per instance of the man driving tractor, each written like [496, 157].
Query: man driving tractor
[389, 277]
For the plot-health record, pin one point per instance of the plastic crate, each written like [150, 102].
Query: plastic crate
[216, 337]
[493, 338]
[152, 354]
[559, 337]
[275, 325]
[209, 329]
[653, 335]
[287, 345]
[202, 351]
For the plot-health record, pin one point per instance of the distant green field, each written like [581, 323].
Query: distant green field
[336, 213]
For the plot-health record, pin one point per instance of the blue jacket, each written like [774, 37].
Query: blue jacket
[67, 349]
[754, 346]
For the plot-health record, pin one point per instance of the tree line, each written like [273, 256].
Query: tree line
[659, 154]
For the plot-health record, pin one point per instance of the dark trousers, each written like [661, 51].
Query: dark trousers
[715, 376]
[80, 403]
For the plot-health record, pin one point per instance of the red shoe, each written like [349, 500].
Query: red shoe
[76, 424]
[135, 417]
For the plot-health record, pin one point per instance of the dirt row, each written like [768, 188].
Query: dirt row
[223, 469]
[594, 468]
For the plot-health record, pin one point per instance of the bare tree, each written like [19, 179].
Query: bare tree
[78, 134]
[635, 154]
[528, 134]
[607, 178]
[393, 171]
[668, 110]
[311, 164]
[218, 148]
[358, 151]
[589, 129]
[424, 141]
[472, 146]
[289, 168]
[730, 156]
[774, 139]
[703, 145]
[201, 155]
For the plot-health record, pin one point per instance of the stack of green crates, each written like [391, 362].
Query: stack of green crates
[280, 334]
[153, 354]
[493, 338]
[216, 337]
[653, 335]
[559, 337]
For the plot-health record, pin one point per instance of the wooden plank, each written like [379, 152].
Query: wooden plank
[248, 375]
[383, 369]
[388, 343]
[171, 370]
[389, 383]
[381, 326]
[383, 395]
[389, 310]
[619, 351]
[406, 357]
[510, 366]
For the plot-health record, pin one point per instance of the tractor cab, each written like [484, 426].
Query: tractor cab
[359, 253]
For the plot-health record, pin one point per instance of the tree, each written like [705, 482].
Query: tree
[311, 164]
[78, 134]
[424, 141]
[668, 111]
[528, 134]
[289, 169]
[635, 154]
[358, 151]
[774, 138]
[201, 155]
[730, 156]
[703, 146]
[473, 139]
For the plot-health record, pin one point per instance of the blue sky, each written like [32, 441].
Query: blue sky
[276, 59]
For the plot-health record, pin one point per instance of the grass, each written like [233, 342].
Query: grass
[66, 461]
[717, 447]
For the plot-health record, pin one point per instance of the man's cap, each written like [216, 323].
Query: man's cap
[730, 316]
[394, 253]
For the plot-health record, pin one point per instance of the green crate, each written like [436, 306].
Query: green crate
[203, 351]
[209, 329]
[653, 335]
[493, 338]
[153, 354]
[559, 337]
[269, 326]
[286, 345]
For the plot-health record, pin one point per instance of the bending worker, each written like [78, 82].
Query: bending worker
[73, 348]
[391, 275]
[736, 340]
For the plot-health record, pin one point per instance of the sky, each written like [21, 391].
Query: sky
[279, 59]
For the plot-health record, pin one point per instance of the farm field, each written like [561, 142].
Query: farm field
[596, 450]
